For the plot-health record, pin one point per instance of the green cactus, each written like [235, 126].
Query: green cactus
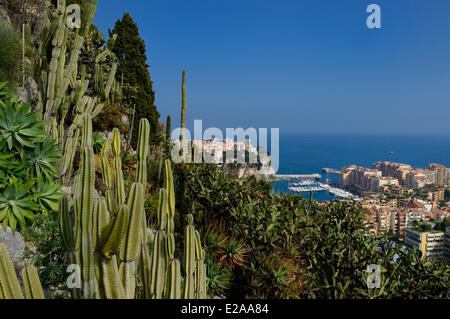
[63, 85]
[9, 284]
[142, 151]
[173, 273]
[164, 270]
[119, 186]
[183, 99]
[168, 131]
[183, 111]
[32, 283]
[108, 238]
[158, 265]
[189, 259]
[105, 243]
[169, 186]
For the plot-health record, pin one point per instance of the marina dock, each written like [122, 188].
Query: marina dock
[298, 176]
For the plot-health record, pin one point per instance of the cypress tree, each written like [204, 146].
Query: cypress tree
[137, 85]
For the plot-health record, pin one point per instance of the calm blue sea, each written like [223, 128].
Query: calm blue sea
[309, 153]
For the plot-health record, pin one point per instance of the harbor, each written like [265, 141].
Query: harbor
[308, 186]
[287, 177]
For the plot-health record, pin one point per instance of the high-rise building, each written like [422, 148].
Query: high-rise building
[441, 174]
[430, 244]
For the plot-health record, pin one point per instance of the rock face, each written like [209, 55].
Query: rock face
[15, 245]
[265, 172]
[28, 93]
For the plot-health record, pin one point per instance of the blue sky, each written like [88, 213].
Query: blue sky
[301, 66]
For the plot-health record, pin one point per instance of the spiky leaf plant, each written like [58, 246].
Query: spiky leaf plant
[43, 160]
[10, 49]
[16, 204]
[27, 164]
[18, 126]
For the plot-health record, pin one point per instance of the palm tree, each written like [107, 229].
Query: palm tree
[10, 53]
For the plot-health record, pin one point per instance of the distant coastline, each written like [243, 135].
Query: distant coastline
[308, 153]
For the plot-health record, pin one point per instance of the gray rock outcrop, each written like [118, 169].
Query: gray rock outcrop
[28, 92]
[15, 245]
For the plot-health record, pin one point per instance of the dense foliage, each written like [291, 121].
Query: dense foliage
[287, 247]
[10, 52]
[256, 244]
[28, 159]
[47, 252]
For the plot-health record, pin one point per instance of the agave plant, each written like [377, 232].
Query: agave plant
[10, 49]
[219, 277]
[47, 195]
[16, 204]
[98, 142]
[213, 240]
[233, 252]
[18, 126]
[42, 160]
[26, 154]
[6, 160]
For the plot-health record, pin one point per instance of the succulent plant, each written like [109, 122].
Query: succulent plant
[9, 284]
[108, 238]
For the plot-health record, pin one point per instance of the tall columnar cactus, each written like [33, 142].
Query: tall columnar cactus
[173, 272]
[108, 237]
[9, 284]
[119, 186]
[183, 112]
[169, 186]
[183, 101]
[108, 177]
[165, 270]
[168, 133]
[189, 260]
[63, 86]
[103, 239]
[142, 152]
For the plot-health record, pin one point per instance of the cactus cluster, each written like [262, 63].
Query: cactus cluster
[64, 84]
[108, 237]
[164, 271]
[9, 283]
[104, 237]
